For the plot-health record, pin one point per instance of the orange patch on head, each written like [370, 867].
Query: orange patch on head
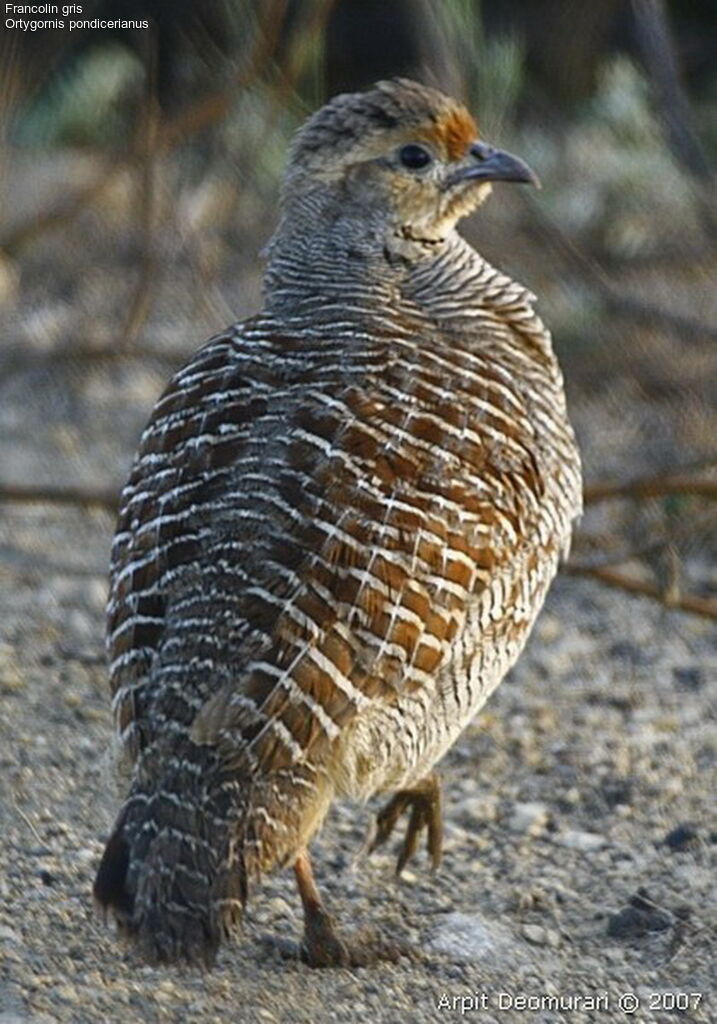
[454, 131]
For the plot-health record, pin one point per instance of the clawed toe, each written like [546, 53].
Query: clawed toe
[425, 803]
[360, 950]
[321, 946]
[324, 947]
[370, 946]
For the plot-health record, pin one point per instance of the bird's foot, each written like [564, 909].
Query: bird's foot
[424, 800]
[323, 946]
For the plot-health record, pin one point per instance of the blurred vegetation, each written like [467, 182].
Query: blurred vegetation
[139, 177]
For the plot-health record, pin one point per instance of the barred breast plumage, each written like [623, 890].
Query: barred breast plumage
[338, 531]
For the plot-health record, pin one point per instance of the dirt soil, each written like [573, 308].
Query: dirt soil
[579, 856]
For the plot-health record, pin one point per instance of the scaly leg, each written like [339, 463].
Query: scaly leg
[321, 945]
[425, 802]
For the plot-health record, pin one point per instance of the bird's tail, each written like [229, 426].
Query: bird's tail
[177, 865]
[174, 873]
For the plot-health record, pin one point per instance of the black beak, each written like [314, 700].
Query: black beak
[491, 164]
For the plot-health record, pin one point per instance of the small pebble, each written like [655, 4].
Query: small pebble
[583, 841]
[641, 916]
[687, 678]
[682, 837]
[535, 934]
[466, 937]
[529, 819]
[630, 922]
[279, 907]
[480, 809]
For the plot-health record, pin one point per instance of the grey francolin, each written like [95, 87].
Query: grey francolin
[340, 526]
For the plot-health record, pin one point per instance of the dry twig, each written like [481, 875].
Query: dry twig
[46, 495]
[650, 487]
[141, 303]
[17, 361]
[622, 581]
[604, 573]
[660, 60]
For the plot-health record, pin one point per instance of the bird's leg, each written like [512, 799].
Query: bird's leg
[321, 945]
[425, 802]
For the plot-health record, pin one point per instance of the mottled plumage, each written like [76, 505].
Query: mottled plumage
[340, 526]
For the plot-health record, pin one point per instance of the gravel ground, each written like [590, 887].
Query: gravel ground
[578, 832]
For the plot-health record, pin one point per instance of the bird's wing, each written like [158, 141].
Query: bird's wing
[304, 531]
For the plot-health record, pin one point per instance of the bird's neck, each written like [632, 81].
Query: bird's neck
[325, 253]
[330, 260]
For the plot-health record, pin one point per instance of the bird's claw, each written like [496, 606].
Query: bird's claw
[425, 803]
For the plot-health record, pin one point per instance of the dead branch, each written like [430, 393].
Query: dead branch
[622, 581]
[596, 551]
[108, 501]
[649, 487]
[296, 62]
[47, 495]
[24, 362]
[660, 60]
[213, 108]
[673, 107]
[141, 303]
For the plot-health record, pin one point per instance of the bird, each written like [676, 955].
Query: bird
[342, 520]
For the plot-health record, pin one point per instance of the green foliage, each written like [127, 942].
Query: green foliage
[92, 103]
[610, 178]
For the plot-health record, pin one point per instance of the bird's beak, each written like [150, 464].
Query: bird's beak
[489, 164]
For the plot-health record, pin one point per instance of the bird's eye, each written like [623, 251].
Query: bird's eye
[414, 157]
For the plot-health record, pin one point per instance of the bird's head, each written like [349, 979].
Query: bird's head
[405, 152]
